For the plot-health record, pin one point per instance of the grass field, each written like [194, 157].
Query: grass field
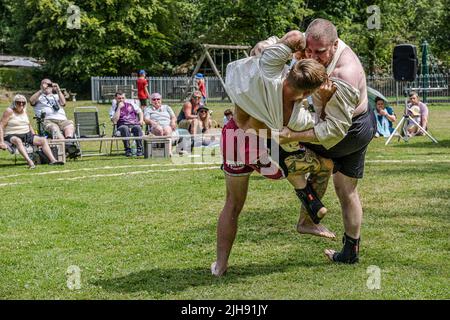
[145, 229]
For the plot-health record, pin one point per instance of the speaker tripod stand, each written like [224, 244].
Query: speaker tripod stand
[400, 125]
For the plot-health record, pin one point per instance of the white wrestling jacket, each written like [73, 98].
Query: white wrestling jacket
[255, 85]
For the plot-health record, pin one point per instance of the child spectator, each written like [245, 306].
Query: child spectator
[385, 117]
[142, 86]
[227, 116]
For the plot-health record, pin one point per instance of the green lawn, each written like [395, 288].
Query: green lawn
[145, 229]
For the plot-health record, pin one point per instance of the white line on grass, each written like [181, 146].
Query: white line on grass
[10, 184]
[134, 173]
[192, 163]
[109, 167]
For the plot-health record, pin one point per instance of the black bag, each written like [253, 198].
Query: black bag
[41, 158]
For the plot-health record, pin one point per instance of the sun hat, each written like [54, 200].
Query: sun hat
[415, 111]
[202, 108]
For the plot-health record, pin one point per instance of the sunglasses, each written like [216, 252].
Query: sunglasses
[203, 111]
[49, 84]
[21, 103]
[156, 99]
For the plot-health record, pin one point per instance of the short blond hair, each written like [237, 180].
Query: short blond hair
[307, 74]
[18, 97]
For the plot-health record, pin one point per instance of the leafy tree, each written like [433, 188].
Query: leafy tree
[248, 21]
[118, 37]
[5, 26]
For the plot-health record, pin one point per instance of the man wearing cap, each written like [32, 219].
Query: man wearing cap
[189, 111]
[419, 111]
[201, 86]
[142, 86]
[160, 117]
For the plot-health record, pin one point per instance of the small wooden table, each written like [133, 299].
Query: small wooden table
[157, 147]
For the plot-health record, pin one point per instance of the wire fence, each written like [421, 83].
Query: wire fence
[172, 89]
[433, 88]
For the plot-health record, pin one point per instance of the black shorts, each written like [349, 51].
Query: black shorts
[26, 138]
[349, 154]
[143, 102]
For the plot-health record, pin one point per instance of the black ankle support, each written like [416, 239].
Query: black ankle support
[311, 202]
[350, 252]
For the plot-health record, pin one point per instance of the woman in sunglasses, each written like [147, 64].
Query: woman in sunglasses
[15, 129]
[202, 125]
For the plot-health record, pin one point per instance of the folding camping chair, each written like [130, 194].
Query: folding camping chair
[87, 126]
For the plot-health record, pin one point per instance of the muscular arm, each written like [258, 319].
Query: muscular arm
[275, 56]
[287, 135]
[35, 97]
[187, 107]
[62, 99]
[350, 70]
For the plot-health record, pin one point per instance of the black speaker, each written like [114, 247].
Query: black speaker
[404, 62]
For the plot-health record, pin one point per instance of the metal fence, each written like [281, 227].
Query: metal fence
[433, 88]
[172, 89]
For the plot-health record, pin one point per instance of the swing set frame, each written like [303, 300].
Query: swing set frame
[206, 54]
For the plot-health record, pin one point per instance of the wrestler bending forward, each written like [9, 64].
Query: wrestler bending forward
[265, 98]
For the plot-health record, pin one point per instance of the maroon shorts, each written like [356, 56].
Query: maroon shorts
[243, 153]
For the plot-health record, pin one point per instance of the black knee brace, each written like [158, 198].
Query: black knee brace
[311, 201]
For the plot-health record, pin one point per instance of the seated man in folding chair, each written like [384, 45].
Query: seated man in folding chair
[419, 111]
[160, 117]
[49, 103]
[128, 118]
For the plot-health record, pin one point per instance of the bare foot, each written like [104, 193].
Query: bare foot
[329, 253]
[215, 271]
[305, 226]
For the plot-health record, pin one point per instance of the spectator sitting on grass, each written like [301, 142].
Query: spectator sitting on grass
[15, 129]
[128, 117]
[419, 111]
[385, 117]
[160, 117]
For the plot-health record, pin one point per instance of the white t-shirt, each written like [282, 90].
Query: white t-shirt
[45, 104]
[161, 115]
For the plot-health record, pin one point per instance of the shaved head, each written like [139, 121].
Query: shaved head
[322, 29]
